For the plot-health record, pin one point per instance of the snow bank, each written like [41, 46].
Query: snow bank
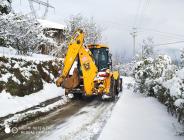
[136, 117]
[10, 52]
[32, 113]
[12, 104]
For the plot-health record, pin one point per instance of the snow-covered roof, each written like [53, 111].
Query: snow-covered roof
[50, 24]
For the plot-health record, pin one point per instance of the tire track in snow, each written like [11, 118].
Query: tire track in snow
[86, 124]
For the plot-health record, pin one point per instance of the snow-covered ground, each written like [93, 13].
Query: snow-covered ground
[133, 117]
[12, 104]
[84, 125]
[136, 117]
[10, 52]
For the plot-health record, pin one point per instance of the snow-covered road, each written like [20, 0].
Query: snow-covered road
[132, 117]
[84, 125]
[136, 117]
[78, 120]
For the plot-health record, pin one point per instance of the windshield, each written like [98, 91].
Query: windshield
[101, 57]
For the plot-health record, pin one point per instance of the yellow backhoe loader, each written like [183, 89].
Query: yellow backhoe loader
[93, 74]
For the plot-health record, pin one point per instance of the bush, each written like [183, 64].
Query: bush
[13, 88]
[3, 60]
[159, 78]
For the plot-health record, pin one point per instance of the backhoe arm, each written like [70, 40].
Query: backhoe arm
[89, 70]
[72, 52]
[87, 64]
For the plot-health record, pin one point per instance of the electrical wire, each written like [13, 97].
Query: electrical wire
[145, 8]
[162, 32]
[137, 13]
[169, 43]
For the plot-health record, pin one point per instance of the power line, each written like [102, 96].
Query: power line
[140, 30]
[162, 32]
[145, 8]
[46, 4]
[138, 16]
[169, 43]
[137, 12]
[170, 36]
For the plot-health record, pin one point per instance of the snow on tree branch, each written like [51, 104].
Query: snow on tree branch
[93, 32]
[5, 6]
[22, 33]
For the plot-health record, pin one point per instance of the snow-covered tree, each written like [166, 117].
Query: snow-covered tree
[22, 33]
[5, 6]
[158, 77]
[147, 48]
[149, 69]
[93, 32]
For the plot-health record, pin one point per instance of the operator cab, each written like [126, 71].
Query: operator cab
[101, 56]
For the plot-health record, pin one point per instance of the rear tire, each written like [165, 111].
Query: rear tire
[120, 85]
[78, 96]
[113, 89]
[116, 86]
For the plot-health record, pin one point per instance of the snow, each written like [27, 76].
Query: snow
[10, 52]
[179, 103]
[83, 125]
[12, 104]
[5, 77]
[173, 85]
[136, 117]
[72, 68]
[180, 74]
[4, 3]
[49, 24]
[21, 116]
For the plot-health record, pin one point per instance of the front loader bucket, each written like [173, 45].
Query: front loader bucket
[71, 82]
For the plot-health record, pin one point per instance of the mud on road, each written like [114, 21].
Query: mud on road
[77, 120]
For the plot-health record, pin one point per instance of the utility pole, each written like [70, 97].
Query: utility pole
[143, 47]
[134, 34]
[46, 4]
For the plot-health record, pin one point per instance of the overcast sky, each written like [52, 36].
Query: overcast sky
[162, 20]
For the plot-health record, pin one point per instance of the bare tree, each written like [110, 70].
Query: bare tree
[93, 32]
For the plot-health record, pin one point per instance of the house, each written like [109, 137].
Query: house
[52, 30]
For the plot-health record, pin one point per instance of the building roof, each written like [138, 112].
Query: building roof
[50, 24]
